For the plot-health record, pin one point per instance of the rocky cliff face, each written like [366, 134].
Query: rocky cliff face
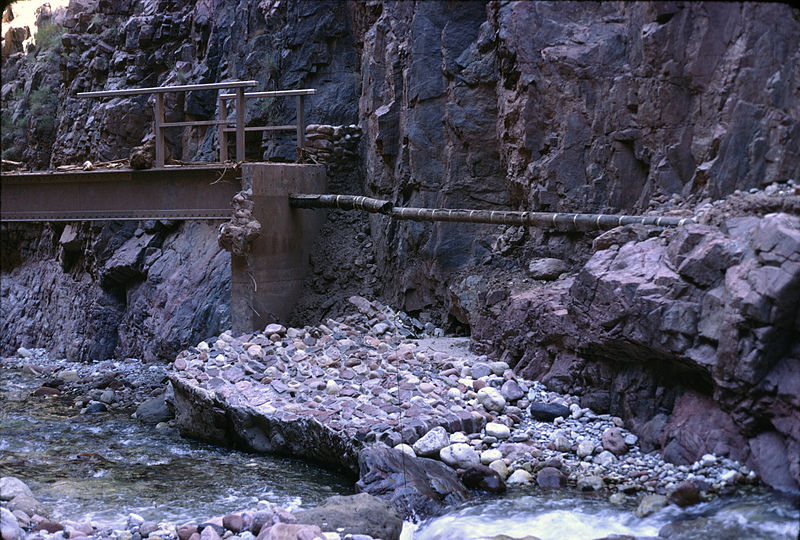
[566, 107]
[144, 290]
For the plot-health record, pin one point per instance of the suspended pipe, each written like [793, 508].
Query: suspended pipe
[545, 220]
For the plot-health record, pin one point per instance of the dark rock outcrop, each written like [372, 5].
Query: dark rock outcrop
[122, 289]
[418, 487]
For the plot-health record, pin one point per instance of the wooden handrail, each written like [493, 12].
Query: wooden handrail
[224, 125]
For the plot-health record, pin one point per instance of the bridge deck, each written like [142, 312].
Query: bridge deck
[172, 192]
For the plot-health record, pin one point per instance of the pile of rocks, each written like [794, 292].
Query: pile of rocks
[331, 145]
[356, 517]
[328, 393]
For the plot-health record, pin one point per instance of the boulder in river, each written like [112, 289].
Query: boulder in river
[353, 514]
[154, 410]
[483, 478]
[417, 486]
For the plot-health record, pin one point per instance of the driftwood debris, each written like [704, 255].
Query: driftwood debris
[546, 220]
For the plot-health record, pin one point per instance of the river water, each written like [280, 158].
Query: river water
[102, 467]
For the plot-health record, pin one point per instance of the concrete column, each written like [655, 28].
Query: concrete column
[266, 284]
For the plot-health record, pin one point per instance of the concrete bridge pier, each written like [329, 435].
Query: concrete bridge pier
[266, 284]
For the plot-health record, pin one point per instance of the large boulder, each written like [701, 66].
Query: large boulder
[417, 486]
[11, 486]
[355, 514]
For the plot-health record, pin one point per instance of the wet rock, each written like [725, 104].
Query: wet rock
[9, 526]
[418, 486]
[591, 483]
[11, 486]
[290, 531]
[210, 532]
[27, 504]
[651, 504]
[46, 391]
[95, 407]
[154, 410]
[483, 478]
[147, 527]
[519, 477]
[460, 455]
[685, 494]
[186, 531]
[547, 412]
[233, 522]
[48, 526]
[430, 444]
[362, 513]
[551, 478]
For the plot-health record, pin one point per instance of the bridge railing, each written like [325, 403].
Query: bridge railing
[300, 127]
[224, 125]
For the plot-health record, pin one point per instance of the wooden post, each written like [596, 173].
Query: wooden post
[158, 119]
[240, 124]
[301, 124]
[221, 135]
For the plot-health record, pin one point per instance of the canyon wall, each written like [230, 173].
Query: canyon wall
[596, 107]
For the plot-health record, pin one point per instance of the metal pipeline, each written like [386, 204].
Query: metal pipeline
[546, 220]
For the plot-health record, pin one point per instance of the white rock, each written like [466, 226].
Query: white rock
[585, 448]
[458, 437]
[407, 450]
[631, 439]
[728, 476]
[255, 351]
[460, 455]
[499, 431]
[202, 346]
[708, 460]
[454, 393]
[605, 458]
[22, 352]
[432, 442]
[488, 456]
[134, 520]
[498, 368]
[500, 467]
[562, 444]
[491, 399]
[520, 476]
[331, 387]
[274, 329]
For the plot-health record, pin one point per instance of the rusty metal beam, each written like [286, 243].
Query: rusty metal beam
[183, 192]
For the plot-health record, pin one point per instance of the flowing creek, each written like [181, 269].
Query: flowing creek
[102, 467]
